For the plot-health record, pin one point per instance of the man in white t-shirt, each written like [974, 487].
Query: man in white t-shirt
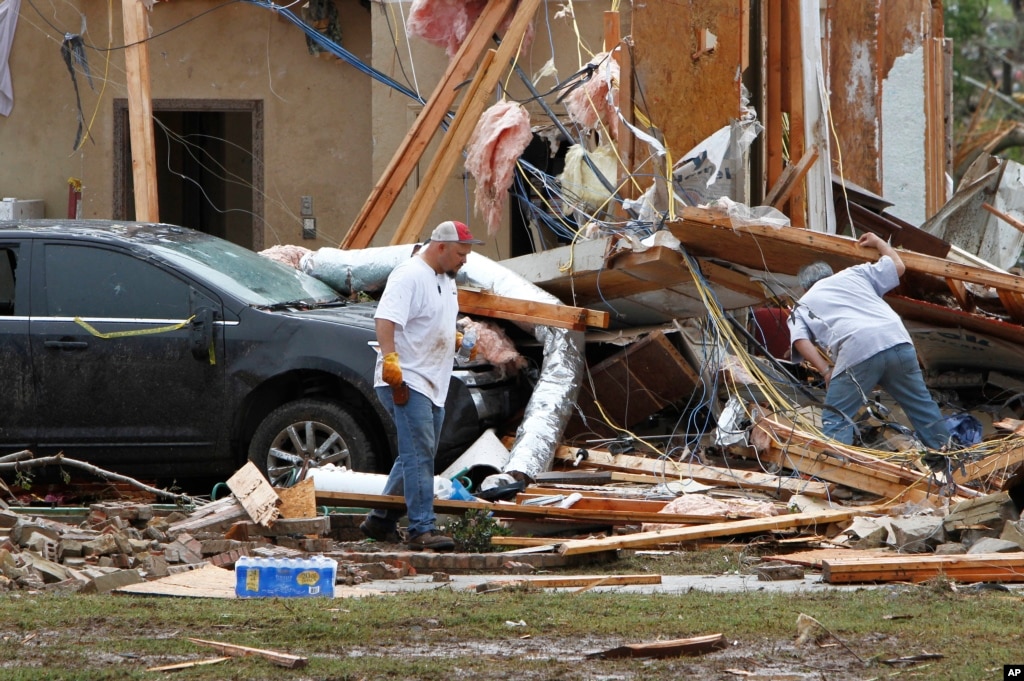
[844, 313]
[415, 324]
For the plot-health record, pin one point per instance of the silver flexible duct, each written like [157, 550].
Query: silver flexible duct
[558, 384]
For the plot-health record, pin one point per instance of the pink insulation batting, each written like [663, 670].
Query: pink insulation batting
[593, 104]
[287, 254]
[501, 136]
[701, 504]
[493, 345]
[446, 23]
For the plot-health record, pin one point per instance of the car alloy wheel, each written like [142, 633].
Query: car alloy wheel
[307, 434]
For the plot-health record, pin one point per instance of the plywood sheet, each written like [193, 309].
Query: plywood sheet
[688, 98]
[855, 90]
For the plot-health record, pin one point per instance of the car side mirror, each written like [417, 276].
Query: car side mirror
[201, 334]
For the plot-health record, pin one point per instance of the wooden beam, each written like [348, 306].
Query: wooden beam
[668, 470]
[982, 567]
[793, 99]
[140, 110]
[610, 517]
[449, 151]
[409, 152]
[773, 116]
[462, 127]
[724, 529]
[710, 234]
[530, 311]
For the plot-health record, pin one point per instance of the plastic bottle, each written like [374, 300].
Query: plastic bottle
[468, 343]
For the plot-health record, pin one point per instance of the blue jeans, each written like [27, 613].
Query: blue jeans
[418, 423]
[897, 371]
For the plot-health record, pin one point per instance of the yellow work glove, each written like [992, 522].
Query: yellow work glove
[391, 372]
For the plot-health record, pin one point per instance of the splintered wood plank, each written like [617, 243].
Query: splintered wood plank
[793, 100]
[530, 311]
[684, 75]
[667, 470]
[807, 455]
[562, 582]
[188, 665]
[731, 528]
[697, 645]
[285, 660]
[983, 567]
[255, 494]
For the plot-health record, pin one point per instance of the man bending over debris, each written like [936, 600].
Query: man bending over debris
[845, 314]
[415, 323]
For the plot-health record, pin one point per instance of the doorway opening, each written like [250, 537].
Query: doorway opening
[209, 166]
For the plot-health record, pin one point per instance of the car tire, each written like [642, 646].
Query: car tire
[292, 437]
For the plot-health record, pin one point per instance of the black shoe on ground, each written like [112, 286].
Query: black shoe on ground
[432, 541]
[380, 530]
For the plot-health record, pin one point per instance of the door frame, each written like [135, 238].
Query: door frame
[122, 146]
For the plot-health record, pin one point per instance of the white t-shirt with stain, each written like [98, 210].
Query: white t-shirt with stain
[424, 306]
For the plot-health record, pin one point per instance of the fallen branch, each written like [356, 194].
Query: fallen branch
[16, 456]
[61, 460]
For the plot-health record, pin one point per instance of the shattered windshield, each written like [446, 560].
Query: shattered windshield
[256, 280]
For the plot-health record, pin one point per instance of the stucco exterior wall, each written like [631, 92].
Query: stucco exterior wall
[329, 130]
[317, 112]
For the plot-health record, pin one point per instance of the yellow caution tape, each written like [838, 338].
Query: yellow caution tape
[139, 332]
[142, 332]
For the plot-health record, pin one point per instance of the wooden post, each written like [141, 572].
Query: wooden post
[793, 100]
[773, 115]
[935, 114]
[140, 111]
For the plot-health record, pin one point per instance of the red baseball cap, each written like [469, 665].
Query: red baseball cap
[453, 232]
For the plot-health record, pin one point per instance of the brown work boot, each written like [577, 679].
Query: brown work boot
[432, 541]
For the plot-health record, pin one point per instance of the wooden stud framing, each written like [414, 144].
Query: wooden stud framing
[409, 152]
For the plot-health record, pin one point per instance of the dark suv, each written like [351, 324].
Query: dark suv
[172, 355]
